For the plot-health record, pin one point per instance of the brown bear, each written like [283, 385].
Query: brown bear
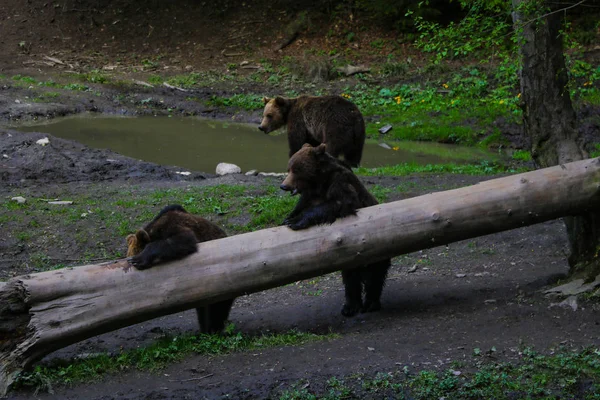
[172, 235]
[330, 190]
[332, 120]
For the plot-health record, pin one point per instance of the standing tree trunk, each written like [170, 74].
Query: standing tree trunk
[549, 119]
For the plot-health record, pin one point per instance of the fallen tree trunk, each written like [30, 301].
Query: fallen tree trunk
[42, 312]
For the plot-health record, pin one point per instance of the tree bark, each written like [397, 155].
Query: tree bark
[42, 312]
[549, 119]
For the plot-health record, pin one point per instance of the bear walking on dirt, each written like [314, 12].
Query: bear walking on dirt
[172, 235]
[330, 190]
[332, 120]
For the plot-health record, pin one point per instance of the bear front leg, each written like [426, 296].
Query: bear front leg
[297, 136]
[175, 247]
[317, 215]
[353, 291]
[300, 206]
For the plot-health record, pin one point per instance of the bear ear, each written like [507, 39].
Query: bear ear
[306, 145]
[130, 239]
[142, 237]
[280, 101]
[321, 149]
[266, 100]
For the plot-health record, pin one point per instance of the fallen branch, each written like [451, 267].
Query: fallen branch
[351, 69]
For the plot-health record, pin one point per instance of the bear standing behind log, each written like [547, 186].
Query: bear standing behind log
[332, 120]
[172, 235]
[329, 190]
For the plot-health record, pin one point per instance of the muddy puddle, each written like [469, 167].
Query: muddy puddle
[199, 145]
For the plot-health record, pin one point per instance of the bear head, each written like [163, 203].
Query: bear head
[274, 114]
[136, 242]
[304, 168]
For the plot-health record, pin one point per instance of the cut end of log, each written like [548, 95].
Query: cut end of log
[14, 329]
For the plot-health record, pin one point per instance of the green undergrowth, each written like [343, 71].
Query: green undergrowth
[166, 350]
[484, 168]
[596, 151]
[561, 375]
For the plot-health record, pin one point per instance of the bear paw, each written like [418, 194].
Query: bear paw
[350, 309]
[371, 306]
[139, 262]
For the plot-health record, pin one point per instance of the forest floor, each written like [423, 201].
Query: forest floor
[455, 309]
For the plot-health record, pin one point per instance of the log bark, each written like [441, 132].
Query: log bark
[42, 312]
[549, 119]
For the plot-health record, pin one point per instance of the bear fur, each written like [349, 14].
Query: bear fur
[172, 235]
[329, 190]
[332, 120]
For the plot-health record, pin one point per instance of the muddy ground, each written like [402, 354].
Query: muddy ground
[482, 293]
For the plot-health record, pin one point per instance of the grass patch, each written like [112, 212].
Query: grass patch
[94, 76]
[521, 155]
[483, 168]
[46, 97]
[565, 375]
[28, 80]
[165, 350]
[596, 152]
[244, 101]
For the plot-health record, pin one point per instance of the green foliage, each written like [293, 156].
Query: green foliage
[165, 350]
[155, 80]
[94, 76]
[24, 79]
[460, 110]
[243, 101]
[521, 155]
[45, 97]
[76, 87]
[484, 168]
[562, 375]
[484, 29]
[596, 152]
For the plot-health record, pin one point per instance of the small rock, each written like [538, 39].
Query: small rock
[19, 199]
[460, 275]
[43, 141]
[385, 146]
[226, 169]
[61, 202]
[385, 129]
[570, 302]
[244, 63]
[456, 373]
[371, 348]
[413, 269]
[252, 172]
[490, 301]
[184, 173]
[18, 101]
[5, 155]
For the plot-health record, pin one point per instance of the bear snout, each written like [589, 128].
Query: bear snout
[287, 188]
[262, 128]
